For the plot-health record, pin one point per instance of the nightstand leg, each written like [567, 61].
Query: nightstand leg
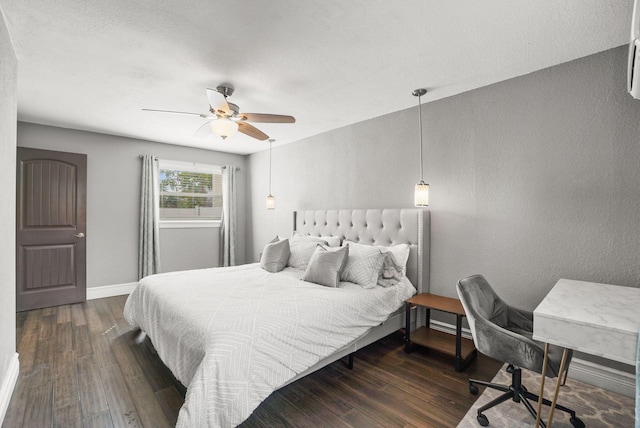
[458, 343]
[407, 328]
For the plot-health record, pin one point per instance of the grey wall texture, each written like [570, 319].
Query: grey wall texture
[8, 119]
[532, 179]
[113, 202]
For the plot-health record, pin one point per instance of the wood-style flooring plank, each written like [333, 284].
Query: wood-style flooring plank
[92, 397]
[66, 380]
[40, 414]
[102, 420]
[68, 416]
[77, 314]
[171, 401]
[123, 411]
[64, 314]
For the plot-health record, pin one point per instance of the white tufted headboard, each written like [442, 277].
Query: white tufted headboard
[376, 227]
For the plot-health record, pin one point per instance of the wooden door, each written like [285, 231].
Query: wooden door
[51, 226]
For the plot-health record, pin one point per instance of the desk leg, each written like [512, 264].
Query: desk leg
[544, 376]
[558, 383]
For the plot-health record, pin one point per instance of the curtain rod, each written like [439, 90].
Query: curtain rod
[156, 158]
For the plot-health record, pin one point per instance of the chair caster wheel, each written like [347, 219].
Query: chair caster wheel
[482, 420]
[510, 369]
[576, 422]
[473, 389]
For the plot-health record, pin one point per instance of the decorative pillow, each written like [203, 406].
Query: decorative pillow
[391, 272]
[333, 241]
[400, 254]
[363, 265]
[302, 248]
[275, 255]
[325, 266]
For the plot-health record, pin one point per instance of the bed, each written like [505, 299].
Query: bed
[234, 335]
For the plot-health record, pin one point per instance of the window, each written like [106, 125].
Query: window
[190, 194]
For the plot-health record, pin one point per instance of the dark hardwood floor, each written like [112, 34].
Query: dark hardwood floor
[79, 366]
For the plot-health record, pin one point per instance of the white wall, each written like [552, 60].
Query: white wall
[8, 120]
[532, 179]
[113, 202]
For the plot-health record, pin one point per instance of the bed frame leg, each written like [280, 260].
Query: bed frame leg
[350, 364]
[140, 337]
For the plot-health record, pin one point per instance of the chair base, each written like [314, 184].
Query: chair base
[518, 393]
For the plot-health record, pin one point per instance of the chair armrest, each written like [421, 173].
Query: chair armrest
[504, 345]
[520, 318]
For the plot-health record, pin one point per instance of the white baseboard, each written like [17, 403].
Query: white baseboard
[585, 371]
[110, 290]
[8, 384]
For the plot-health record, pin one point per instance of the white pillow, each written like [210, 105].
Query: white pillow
[400, 253]
[325, 266]
[302, 248]
[363, 265]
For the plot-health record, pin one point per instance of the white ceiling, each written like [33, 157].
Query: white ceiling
[94, 64]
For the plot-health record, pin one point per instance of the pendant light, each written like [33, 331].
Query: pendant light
[421, 195]
[271, 200]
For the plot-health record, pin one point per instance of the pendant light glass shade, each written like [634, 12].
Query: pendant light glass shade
[224, 127]
[271, 200]
[421, 193]
[421, 196]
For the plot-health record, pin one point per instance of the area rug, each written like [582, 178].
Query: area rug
[596, 407]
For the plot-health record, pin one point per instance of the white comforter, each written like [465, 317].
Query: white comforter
[234, 335]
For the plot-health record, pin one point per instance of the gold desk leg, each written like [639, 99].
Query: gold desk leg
[555, 393]
[544, 372]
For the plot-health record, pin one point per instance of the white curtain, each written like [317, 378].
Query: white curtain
[228, 227]
[149, 240]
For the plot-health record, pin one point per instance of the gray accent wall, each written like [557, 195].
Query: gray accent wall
[8, 120]
[532, 179]
[113, 202]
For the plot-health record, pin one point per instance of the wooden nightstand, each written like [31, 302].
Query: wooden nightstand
[459, 347]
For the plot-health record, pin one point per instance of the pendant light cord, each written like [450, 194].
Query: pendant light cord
[420, 122]
[270, 142]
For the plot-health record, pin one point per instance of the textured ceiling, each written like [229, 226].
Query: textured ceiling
[93, 65]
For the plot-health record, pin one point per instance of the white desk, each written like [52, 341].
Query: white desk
[598, 319]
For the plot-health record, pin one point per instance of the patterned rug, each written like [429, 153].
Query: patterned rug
[596, 407]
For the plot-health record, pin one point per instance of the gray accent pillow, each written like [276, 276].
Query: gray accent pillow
[325, 266]
[275, 255]
[363, 265]
[302, 248]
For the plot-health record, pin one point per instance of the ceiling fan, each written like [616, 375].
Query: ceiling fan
[224, 118]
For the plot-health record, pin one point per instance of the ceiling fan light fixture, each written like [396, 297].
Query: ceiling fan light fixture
[224, 127]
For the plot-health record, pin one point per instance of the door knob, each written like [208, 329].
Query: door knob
[79, 235]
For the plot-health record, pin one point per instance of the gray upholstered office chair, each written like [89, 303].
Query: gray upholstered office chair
[504, 333]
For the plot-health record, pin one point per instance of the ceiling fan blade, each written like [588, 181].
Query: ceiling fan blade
[204, 131]
[172, 111]
[268, 118]
[218, 102]
[252, 131]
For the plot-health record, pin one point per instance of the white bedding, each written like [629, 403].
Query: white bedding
[234, 335]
